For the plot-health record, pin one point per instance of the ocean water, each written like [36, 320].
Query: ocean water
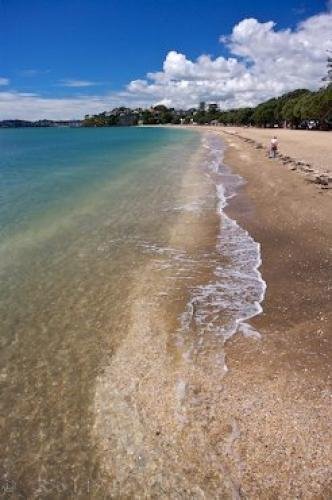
[115, 250]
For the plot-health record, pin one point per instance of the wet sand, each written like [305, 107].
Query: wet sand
[171, 423]
[281, 386]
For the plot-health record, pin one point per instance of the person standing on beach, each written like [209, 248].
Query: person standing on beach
[273, 147]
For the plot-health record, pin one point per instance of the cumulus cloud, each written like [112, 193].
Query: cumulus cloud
[4, 81]
[263, 62]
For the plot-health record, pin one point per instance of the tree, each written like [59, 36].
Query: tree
[201, 117]
[328, 77]
[288, 113]
[213, 108]
[264, 114]
[284, 99]
[148, 118]
[293, 107]
[161, 108]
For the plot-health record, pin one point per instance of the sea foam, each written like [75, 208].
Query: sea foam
[223, 306]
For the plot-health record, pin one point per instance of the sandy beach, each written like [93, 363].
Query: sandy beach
[308, 146]
[280, 386]
[147, 360]
[172, 422]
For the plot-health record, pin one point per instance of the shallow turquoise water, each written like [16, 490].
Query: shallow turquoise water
[112, 241]
[77, 206]
[47, 172]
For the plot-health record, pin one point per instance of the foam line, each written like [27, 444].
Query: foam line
[223, 306]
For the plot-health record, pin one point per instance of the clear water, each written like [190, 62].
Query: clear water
[121, 279]
[51, 176]
[76, 208]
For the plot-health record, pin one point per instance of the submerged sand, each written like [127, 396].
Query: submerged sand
[170, 425]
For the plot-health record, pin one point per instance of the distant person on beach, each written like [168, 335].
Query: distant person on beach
[273, 147]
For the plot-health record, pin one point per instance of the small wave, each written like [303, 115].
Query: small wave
[225, 304]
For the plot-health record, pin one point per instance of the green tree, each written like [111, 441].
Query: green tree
[264, 114]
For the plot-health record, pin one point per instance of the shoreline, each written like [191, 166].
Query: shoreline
[149, 408]
[291, 220]
[156, 408]
[170, 420]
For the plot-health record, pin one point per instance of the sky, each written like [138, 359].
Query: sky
[62, 59]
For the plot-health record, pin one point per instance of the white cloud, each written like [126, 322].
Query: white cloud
[4, 81]
[264, 62]
[30, 106]
[76, 83]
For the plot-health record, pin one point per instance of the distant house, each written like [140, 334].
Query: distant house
[127, 119]
[67, 123]
[213, 108]
[40, 123]
[122, 116]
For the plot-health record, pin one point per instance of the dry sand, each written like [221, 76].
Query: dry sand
[309, 146]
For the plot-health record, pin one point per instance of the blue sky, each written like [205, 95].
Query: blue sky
[76, 49]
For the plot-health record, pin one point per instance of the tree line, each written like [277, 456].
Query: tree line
[300, 108]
